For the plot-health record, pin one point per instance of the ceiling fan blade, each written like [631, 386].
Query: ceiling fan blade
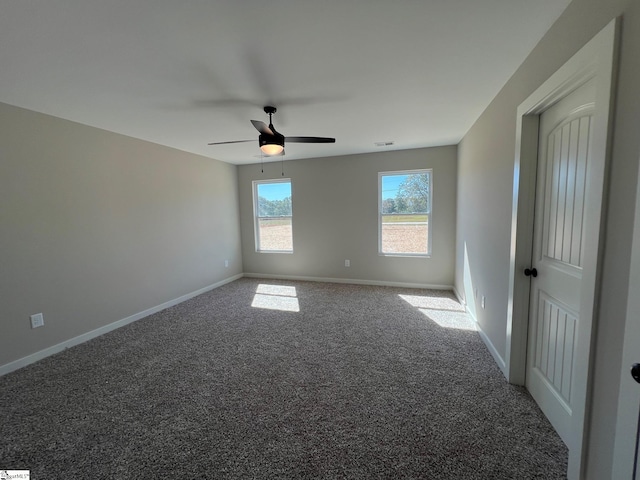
[262, 127]
[310, 140]
[233, 141]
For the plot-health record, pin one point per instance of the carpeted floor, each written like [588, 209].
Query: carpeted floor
[271, 379]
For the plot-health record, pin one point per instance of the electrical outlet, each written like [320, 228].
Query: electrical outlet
[226, 264]
[483, 303]
[347, 263]
[37, 320]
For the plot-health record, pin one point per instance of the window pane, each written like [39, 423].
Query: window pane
[406, 193]
[275, 233]
[405, 234]
[405, 207]
[274, 199]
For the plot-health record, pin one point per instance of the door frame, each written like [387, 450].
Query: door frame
[629, 392]
[596, 60]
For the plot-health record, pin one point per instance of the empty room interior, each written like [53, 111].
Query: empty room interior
[438, 278]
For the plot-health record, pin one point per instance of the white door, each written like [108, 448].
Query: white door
[558, 255]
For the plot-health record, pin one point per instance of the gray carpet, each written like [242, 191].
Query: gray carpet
[360, 382]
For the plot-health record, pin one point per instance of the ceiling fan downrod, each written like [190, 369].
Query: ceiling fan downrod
[269, 110]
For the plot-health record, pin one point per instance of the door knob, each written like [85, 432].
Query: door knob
[635, 372]
[531, 272]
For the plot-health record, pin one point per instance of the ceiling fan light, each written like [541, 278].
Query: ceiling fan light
[271, 148]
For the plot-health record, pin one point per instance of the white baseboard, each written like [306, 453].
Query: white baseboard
[492, 349]
[460, 299]
[34, 357]
[29, 359]
[353, 281]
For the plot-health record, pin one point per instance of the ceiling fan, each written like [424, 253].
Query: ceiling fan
[272, 142]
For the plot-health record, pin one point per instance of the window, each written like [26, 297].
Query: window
[404, 212]
[273, 215]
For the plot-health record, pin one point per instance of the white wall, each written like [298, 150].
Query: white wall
[485, 180]
[96, 227]
[335, 217]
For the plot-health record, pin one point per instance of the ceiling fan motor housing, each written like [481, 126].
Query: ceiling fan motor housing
[271, 140]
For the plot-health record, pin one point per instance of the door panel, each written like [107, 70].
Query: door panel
[555, 346]
[565, 188]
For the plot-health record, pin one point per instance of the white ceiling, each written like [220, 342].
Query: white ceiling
[185, 73]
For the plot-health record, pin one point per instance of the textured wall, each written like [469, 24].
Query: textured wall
[335, 217]
[96, 227]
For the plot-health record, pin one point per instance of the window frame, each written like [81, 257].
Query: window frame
[256, 217]
[429, 214]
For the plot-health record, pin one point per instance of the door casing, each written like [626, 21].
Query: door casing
[596, 60]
